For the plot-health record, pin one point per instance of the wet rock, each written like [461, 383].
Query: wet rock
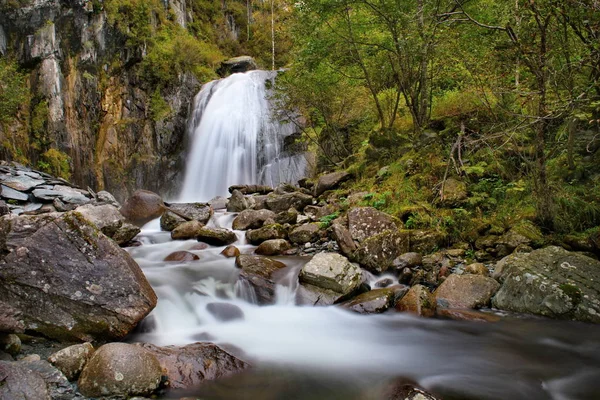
[20, 382]
[365, 222]
[120, 369]
[418, 301]
[466, 291]
[477, 269]
[552, 282]
[296, 200]
[454, 191]
[230, 252]
[467, 315]
[216, 236]
[257, 236]
[400, 390]
[405, 276]
[258, 273]
[287, 217]
[71, 360]
[126, 233]
[333, 272]
[225, 311]
[273, 247]
[94, 289]
[331, 181]
[407, 260]
[142, 207]
[374, 301]
[58, 385]
[188, 366]
[199, 246]
[4, 208]
[252, 219]
[192, 211]
[258, 202]
[237, 64]
[187, 230]
[10, 319]
[181, 256]
[251, 189]
[343, 238]
[383, 283]
[237, 202]
[307, 294]
[378, 252]
[306, 233]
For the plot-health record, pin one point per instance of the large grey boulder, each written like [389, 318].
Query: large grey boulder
[552, 282]
[273, 247]
[331, 181]
[142, 207]
[269, 232]
[68, 280]
[216, 236]
[120, 369]
[110, 221]
[364, 222]
[466, 291]
[71, 360]
[307, 233]
[378, 252]
[375, 301]
[237, 64]
[186, 367]
[252, 219]
[258, 273]
[283, 202]
[331, 271]
[193, 211]
[237, 202]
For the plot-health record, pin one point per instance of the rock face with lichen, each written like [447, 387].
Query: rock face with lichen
[68, 281]
[552, 282]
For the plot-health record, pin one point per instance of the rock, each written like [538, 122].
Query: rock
[12, 194]
[251, 189]
[405, 276]
[287, 217]
[342, 237]
[365, 222]
[374, 301]
[93, 289]
[218, 203]
[259, 202]
[193, 211]
[142, 207]
[10, 344]
[225, 311]
[181, 256]
[331, 181]
[467, 315]
[237, 64]
[104, 197]
[20, 382]
[466, 291]
[252, 219]
[407, 260]
[186, 367]
[71, 360]
[425, 241]
[399, 389]
[4, 209]
[333, 272]
[307, 294]
[307, 233]
[237, 202]
[106, 217]
[22, 183]
[383, 283]
[199, 246]
[126, 233]
[56, 383]
[454, 191]
[230, 252]
[187, 230]
[257, 236]
[216, 236]
[283, 202]
[10, 319]
[377, 253]
[120, 369]
[273, 247]
[418, 301]
[257, 272]
[552, 282]
[477, 269]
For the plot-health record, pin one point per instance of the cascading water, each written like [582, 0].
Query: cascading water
[237, 139]
[303, 352]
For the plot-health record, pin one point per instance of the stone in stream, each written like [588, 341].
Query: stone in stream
[407, 260]
[193, 211]
[378, 252]
[466, 291]
[218, 203]
[109, 220]
[237, 202]
[251, 189]
[252, 219]
[419, 301]
[230, 251]
[273, 247]
[331, 271]
[477, 269]
[225, 311]
[71, 360]
[257, 236]
[186, 367]
[187, 230]
[375, 301]
[142, 207]
[68, 280]
[216, 236]
[120, 369]
[552, 282]
[181, 256]
[307, 233]
[341, 235]
[258, 272]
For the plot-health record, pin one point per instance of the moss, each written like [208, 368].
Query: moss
[572, 291]
[56, 162]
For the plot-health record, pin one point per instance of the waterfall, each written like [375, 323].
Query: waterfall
[235, 138]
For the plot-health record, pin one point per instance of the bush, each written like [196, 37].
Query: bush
[13, 89]
[57, 163]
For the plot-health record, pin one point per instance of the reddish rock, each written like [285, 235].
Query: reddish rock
[418, 301]
[181, 256]
[230, 251]
[466, 291]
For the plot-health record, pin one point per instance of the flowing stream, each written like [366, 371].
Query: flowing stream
[303, 352]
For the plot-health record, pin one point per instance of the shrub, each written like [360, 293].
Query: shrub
[56, 162]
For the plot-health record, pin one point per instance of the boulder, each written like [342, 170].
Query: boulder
[71, 360]
[186, 367]
[237, 202]
[251, 189]
[258, 273]
[56, 383]
[331, 271]
[419, 301]
[375, 301]
[20, 382]
[120, 369]
[237, 64]
[365, 222]
[192, 211]
[182, 256]
[69, 281]
[552, 282]
[287, 217]
[218, 203]
[273, 247]
[477, 269]
[257, 236]
[454, 191]
[10, 319]
[311, 295]
[407, 260]
[230, 252]
[466, 291]
[426, 241]
[187, 230]
[104, 197]
[343, 238]
[110, 221]
[283, 202]
[225, 311]
[331, 181]
[126, 233]
[252, 219]
[216, 236]
[142, 207]
[307, 233]
[378, 252]
[10, 344]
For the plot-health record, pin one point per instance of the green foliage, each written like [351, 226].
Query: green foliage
[325, 222]
[159, 108]
[38, 124]
[55, 162]
[13, 89]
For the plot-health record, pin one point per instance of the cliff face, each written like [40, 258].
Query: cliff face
[86, 99]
